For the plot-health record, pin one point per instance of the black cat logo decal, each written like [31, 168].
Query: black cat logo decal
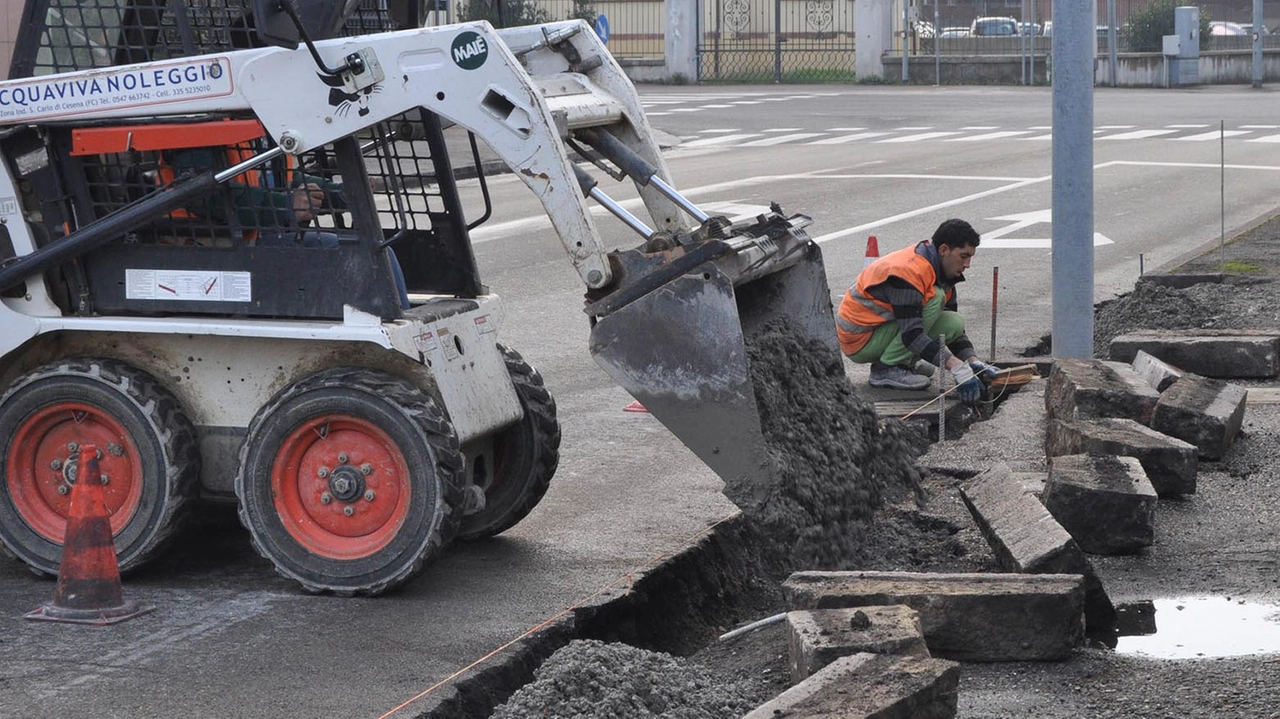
[342, 100]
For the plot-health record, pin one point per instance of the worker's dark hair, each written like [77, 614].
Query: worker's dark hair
[955, 233]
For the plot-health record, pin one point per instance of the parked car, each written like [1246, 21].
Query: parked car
[993, 26]
[1248, 29]
[954, 32]
[1029, 28]
[1221, 28]
[1048, 28]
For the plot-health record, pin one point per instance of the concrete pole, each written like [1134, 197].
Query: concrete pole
[1257, 43]
[1074, 43]
[680, 44]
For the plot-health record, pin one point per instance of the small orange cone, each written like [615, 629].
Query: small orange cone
[89, 575]
[873, 251]
[635, 407]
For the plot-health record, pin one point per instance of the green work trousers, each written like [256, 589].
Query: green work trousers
[886, 340]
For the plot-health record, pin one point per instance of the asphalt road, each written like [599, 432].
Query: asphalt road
[229, 639]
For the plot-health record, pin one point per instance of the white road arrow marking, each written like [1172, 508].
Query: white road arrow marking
[992, 240]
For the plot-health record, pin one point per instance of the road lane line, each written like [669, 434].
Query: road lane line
[988, 136]
[920, 137]
[781, 139]
[1137, 135]
[848, 138]
[720, 140]
[1206, 136]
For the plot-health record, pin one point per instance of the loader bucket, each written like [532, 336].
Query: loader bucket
[681, 350]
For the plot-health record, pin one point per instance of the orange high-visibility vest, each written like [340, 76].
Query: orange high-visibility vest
[860, 313]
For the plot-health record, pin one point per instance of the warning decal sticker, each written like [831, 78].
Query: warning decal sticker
[188, 285]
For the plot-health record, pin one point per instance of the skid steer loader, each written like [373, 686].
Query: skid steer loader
[335, 365]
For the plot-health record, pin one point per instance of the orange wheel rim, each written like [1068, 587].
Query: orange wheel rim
[41, 468]
[341, 487]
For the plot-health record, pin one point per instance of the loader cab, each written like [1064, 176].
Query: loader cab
[387, 202]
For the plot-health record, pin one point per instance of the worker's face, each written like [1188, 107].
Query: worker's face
[955, 260]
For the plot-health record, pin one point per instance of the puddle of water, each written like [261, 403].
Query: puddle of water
[1198, 627]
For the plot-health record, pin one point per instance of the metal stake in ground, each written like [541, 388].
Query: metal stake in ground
[942, 391]
[995, 296]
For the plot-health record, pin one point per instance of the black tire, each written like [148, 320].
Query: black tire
[384, 440]
[526, 456]
[112, 405]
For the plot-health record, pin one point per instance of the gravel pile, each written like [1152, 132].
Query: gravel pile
[591, 679]
[1206, 306]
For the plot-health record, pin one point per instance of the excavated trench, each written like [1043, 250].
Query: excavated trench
[846, 498]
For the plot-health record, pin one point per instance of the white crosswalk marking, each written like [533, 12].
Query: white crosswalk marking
[919, 137]
[989, 136]
[721, 140]
[780, 139]
[1137, 135]
[842, 139]
[1206, 136]
[1265, 138]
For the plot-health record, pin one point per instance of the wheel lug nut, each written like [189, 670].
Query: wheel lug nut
[322, 472]
[342, 457]
[55, 464]
[348, 510]
[62, 489]
[368, 495]
[72, 446]
[366, 469]
[326, 498]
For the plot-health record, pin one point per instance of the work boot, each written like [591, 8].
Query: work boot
[883, 375]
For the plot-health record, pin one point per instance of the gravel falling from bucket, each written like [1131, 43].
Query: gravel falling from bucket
[835, 461]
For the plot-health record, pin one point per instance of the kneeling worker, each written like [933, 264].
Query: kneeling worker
[892, 315]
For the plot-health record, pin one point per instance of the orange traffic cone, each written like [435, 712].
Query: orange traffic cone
[635, 407]
[873, 251]
[89, 575]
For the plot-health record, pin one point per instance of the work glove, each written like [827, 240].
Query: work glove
[968, 386]
[985, 372]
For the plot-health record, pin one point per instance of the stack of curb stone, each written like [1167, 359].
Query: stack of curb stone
[1115, 437]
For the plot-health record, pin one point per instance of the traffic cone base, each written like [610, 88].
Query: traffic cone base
[89, 575]
[96, 617]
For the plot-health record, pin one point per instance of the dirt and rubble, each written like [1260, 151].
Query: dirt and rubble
[1222, 541]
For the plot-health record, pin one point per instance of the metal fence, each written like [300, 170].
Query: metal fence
[1020, 27]
[634, 28]
[775, 40]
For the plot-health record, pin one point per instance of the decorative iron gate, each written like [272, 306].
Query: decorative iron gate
[775, 40]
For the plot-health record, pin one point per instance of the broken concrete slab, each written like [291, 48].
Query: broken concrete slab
[1025, 537]
[1085, 389]
[1170, 463]
[1014, 435]
[1205, 412]
[1224, 354]
[871, 686]
[968, 617]
[1155, 372]
[1105, 502]
[817, 638]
